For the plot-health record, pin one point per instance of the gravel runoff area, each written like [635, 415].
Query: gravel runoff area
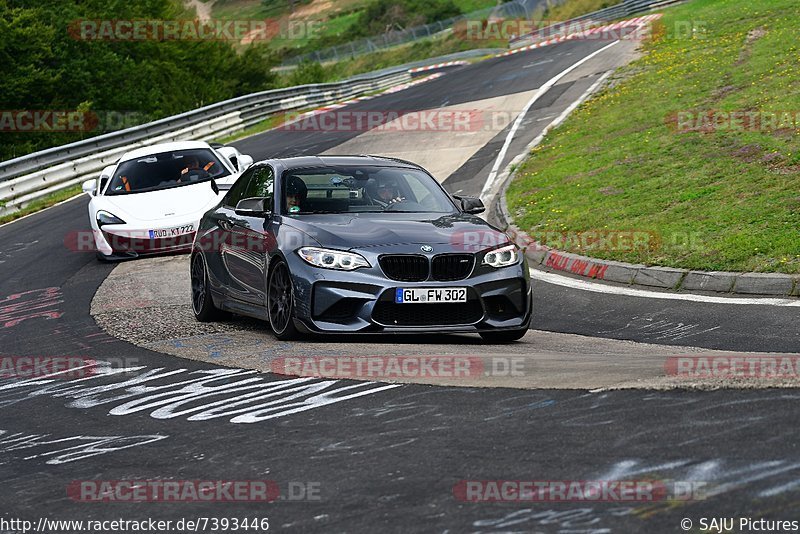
[157, 315]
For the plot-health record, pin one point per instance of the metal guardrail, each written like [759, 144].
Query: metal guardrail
[34, 175]
[624, 9]
[390, 39]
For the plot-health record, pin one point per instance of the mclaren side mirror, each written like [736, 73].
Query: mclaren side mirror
[245, 162]
[89, 187]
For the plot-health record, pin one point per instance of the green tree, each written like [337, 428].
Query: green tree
[49, 67]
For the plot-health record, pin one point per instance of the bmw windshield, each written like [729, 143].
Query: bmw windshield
[166, 170]
[362, 189]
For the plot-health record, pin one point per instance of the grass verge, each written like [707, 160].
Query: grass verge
[42, 203]
[409, 53]
[637, 157]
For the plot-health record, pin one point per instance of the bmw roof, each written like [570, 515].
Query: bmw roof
[317, 161]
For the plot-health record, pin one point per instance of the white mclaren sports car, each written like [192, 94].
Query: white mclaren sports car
[151, 200]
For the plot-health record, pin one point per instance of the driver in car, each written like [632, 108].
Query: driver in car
[193, 169]
[387, 193]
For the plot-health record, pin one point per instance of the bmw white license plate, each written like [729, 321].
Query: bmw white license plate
[172, 232]
[431, 295]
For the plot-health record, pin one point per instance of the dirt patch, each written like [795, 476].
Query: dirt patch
[749, 153]
[203, 9]
[785, 170]
[314, 8]
[785, 133]
[609, 191]
[722, 92]
[747, 49]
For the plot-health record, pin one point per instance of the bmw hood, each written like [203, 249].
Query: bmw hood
[158, 205]
[364, 230]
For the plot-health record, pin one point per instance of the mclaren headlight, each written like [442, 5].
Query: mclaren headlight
[104, 217]
[332, 259]
[502, 257]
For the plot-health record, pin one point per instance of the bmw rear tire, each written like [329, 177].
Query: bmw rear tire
[202, 303]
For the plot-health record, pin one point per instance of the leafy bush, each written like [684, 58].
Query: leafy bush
[308, 72]
[47, 68]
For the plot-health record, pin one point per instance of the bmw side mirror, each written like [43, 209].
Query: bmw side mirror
[253, 207]
[472, 205]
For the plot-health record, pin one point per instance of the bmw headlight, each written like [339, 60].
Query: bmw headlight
[502, 257]
[333, 259]
[104, 217]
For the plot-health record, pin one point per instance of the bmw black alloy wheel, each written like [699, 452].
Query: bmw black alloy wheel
[280, 304]
[202, 303]
[198, 283]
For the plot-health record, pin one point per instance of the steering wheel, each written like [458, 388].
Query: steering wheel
[194, 175]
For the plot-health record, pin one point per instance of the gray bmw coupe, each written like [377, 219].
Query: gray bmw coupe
[365, 244]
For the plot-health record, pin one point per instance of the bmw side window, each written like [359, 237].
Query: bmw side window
[238, 190]
[262, 184]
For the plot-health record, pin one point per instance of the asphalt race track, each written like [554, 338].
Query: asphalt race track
[385, 457]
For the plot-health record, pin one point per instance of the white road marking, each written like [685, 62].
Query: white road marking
[492, 192]
[543, 62]
[567, 112]
[596, 287]
[541, 92]
[70, 199]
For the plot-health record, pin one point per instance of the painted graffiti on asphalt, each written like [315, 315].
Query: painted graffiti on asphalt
[234, 394]
[39, 303]
[69, 449]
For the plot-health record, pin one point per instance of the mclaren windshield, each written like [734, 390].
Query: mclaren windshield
[166, 170]
[362, 189]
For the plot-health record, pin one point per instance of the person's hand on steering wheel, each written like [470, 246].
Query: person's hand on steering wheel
[193, 175]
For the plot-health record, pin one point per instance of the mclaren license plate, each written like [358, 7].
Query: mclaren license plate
[172, 232]
[432, 295]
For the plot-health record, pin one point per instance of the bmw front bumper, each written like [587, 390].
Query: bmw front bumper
[363, 301]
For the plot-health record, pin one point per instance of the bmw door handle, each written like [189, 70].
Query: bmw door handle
[223, 223]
